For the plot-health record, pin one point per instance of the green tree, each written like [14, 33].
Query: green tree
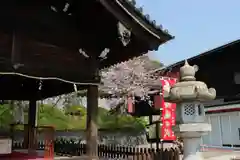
[6, 115]
[75, 110]
[108, 120]
[157, 64]
[52, 116]
[62, 119]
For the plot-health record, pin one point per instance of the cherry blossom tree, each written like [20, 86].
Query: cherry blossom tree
[130, 77]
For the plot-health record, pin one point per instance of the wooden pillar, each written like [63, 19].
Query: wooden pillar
[92, 128]
[32, 124]
[157, 134]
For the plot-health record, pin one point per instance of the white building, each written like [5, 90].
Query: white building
[225, 121]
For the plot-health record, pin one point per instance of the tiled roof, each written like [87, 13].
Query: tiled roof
[146, 17]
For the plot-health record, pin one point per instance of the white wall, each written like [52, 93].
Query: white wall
[225, 129]
[215, 133]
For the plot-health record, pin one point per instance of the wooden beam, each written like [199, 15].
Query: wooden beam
[32, 116]
[92, 128]
[16, 50]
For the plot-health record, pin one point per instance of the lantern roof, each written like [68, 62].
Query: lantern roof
[188, 89]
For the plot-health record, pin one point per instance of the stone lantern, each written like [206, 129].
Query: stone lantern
[189, 94]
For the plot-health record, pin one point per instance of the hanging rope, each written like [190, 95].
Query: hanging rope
[47, 78]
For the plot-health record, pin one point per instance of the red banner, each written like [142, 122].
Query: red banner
[168, 113]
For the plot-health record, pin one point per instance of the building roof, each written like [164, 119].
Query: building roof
[223, 107]
[137, 14]
[200, 56]
[217, 68]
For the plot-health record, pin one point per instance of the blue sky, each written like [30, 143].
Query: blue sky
[197, 25]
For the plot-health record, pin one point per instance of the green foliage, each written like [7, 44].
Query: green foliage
[61, 119]
[157, 63]
[53, 116]
[75, 110]
[116, 121]
[6, 115]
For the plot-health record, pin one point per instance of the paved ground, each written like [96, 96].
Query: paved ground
[223, 156]
[220, 155]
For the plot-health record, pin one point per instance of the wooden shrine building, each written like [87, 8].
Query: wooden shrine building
[47, 46]
[219, 68]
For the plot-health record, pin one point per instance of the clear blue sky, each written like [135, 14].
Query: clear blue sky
[198, 25]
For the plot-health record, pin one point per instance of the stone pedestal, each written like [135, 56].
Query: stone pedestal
[191, 134]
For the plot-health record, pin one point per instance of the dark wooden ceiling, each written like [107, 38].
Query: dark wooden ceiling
[89, 26]
[38, 38]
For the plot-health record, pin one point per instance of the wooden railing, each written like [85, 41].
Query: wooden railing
[71, 148]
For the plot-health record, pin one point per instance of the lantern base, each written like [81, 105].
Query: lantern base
[191, 134]
[192, 129]
[191, 148]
